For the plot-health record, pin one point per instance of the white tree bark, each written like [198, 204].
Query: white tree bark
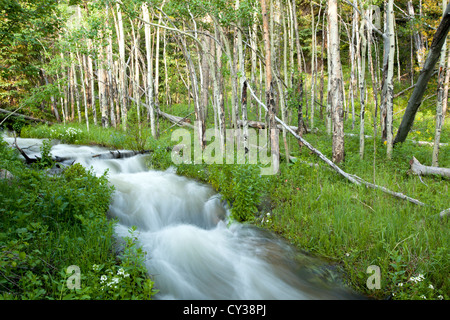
[148, 46]
[439, 106]
[390, 81]
[335, 71]
[122, 68]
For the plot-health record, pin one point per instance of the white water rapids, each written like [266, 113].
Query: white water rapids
[193, 252]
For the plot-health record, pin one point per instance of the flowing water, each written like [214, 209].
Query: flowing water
[193, 251]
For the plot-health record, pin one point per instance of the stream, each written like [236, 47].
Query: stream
[193, 250]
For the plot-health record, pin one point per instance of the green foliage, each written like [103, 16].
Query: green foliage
[241, 186]
[46, 158]
[138, 134]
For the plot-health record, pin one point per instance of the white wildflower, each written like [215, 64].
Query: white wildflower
[431, 287]
[440, 297]
[103, 278]
[423, 297]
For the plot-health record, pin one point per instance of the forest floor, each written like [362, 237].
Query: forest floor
[319, 211]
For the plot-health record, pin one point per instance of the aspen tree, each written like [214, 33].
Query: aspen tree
[336, 84]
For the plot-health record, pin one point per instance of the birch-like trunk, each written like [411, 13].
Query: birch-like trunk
[300, 122]
[313, 67]
[103, 99]
[439, 107]
[273, 132]
[148, 46]
[361, 62]
[92, 82]
[390, 80]
[242, 86]
[336, 84]
[122, 68]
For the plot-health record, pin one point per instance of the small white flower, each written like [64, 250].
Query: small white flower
[95, 267]
[103, 278]
[423, 297]
[347, 254]
[400, 284]
[440, 297]
[431, 287]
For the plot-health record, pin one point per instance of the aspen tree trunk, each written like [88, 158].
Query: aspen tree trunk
[122, 68]
[205, 75]
[85, 99]
[156, 85]
[384, 82]
[354, 38]
[242, 86]
[150, 97]
[390, 80]
[284, 114]
[336, 84]
[72, 88]
[375, 96]
[62, 98]
[362, 85]
[111, 82]
[328, 122]
[135, 69]
[166, 75]
[103, 99]
[219, 89]
[273, 132]
[439, 107]
[92, 82]
[300, 127]
[254, 47]
[446, 85]
[75, 88]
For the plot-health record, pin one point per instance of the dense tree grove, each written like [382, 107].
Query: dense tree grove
[95, 61]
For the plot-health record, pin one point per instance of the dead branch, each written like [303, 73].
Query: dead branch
[422, 170]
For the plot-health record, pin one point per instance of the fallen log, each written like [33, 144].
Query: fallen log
[182, 122]
[261, 125]
[422, 170]
[12, 113]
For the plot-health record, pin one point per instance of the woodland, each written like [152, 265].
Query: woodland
[352, 96]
